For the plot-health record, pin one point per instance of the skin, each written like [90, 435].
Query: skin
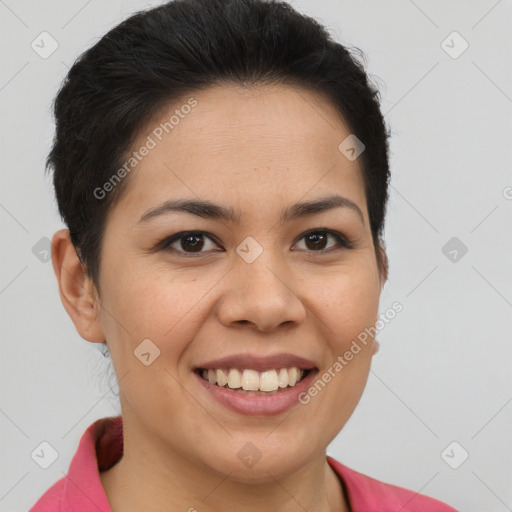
[257, 150]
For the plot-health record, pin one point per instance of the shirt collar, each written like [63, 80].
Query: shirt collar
[101, 446]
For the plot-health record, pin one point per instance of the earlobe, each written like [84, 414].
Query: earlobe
[375, 348]
[77, 292]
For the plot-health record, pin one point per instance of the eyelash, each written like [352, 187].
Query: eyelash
[164, 244]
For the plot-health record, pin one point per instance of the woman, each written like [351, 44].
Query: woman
[222, 169]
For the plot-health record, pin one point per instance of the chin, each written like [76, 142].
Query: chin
[254, 463]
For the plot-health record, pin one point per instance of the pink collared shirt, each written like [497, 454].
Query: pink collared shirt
[101, 446]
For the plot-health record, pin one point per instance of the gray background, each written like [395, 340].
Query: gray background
[443, 373]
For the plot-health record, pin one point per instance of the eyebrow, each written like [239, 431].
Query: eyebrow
[209, 210]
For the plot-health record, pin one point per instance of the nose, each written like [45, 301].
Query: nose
[261, 294]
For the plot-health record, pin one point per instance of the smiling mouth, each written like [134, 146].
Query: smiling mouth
[252, 382]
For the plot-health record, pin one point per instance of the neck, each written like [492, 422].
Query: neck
[150, 478]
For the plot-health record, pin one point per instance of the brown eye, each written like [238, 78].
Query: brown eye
[189, 243]
[194, 242]
[317, 241]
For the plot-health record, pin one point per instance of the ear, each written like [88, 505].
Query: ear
[77, 292]
[384, 269]
[384, 264]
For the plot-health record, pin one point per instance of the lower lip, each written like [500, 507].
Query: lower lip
[257, 405]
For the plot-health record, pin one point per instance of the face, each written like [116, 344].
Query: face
[260, 284]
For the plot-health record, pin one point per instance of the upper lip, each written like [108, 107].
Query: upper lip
[260, 363]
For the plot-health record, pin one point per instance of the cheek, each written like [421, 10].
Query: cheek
[349, 308]
[349, 302]
[157, 314]
[337, 389]
[166, 308]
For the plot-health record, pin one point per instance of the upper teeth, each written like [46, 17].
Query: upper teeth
[252, 380]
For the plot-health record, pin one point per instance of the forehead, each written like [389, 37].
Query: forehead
[236, 145]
